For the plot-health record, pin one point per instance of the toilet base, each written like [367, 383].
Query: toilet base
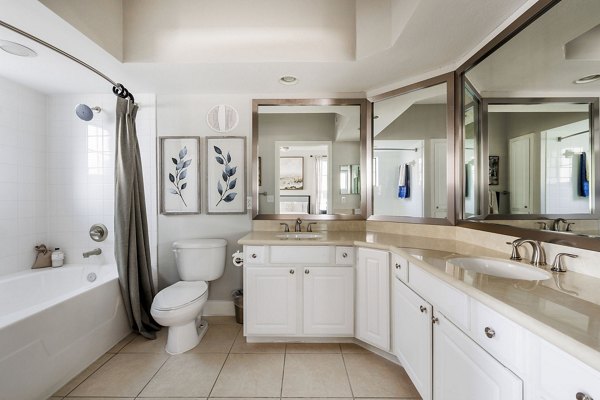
[185, 337]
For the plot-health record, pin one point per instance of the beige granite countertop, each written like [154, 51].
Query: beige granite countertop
[564, 310]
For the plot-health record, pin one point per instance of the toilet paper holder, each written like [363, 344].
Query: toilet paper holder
[238, 258]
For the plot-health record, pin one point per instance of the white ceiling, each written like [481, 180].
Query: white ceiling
[547, 56]
[335, 47]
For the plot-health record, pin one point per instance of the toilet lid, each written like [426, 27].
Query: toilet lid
[179, 295]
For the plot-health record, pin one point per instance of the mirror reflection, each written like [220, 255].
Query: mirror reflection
[533, 162]
[409, 154]
[309, 159]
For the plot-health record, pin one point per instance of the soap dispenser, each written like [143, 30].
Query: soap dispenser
[58, 258]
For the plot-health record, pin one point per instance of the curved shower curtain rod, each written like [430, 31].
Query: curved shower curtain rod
[118, 89]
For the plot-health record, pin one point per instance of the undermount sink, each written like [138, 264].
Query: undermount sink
[300, 235]
[500, 268]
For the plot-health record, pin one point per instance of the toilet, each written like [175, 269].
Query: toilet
[179, 306]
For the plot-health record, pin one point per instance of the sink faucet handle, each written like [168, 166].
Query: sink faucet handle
[286, 227]
[543, 225]
[309, 226]
[557, 265]
[569, 229]
[515, 255]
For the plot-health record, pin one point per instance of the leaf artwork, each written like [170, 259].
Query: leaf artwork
[181, 166]
[225, 188]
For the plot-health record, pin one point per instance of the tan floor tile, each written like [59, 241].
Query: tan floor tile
[101, 398]
[54, 398]
[348, 348]
[320, 398]
[251, 375]
[123, 375]
[142, 345]
[246, 398]
[218, 339]
[315, 375]
[221, 320]
[115, 349]
[172, 398]
[73, 383]
[305, 348]
[241, 346]
[374, 376]
[186, 375]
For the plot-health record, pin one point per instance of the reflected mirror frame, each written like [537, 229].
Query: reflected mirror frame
[449, 80]
[365, 170]
[528, 17]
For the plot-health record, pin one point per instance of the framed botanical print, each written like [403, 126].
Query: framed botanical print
[226, 175]
[179, 164]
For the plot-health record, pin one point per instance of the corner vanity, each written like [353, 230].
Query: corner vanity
[458, 332]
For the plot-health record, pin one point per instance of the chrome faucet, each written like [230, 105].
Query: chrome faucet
[556, 224]
[95, 252]
[298, 227]
[538, 255]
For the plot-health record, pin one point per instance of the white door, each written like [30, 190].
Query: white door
[412, 336]
[373, 298]
[520, 172]
[464, 371]
[439, 180]
[329, 301]
[270, 300]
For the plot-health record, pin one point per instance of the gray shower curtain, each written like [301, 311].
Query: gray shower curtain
[132, 249]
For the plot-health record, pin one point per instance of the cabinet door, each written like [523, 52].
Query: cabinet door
[464, 371]
[329, 301]
[270, 300]
[373, 298]
[412, 336]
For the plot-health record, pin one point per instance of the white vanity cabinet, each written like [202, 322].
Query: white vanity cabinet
[373, 297]
[412, 336]
[296, 291]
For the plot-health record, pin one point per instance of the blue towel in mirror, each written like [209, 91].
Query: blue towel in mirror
[404, 190]
[583, 184]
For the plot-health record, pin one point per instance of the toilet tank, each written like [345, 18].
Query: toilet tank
[200, 259]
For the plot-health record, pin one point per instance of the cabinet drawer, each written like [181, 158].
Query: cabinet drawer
[498, 335]
[562, 376]
[453, 303]
[400, 267]
[301, 255]
[255, 254]
[344, 255]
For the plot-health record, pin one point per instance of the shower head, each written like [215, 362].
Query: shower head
[85, 113]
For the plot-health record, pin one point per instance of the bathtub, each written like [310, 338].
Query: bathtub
[54, 322]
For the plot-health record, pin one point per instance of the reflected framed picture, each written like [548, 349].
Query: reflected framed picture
[226, 175]
[179, 172]
[494, 169]
[291, 173]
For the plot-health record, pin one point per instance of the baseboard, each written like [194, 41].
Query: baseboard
[218, 308]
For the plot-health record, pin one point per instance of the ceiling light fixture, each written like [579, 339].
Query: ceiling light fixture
[288, 80]
[16, 49]
[588, 79]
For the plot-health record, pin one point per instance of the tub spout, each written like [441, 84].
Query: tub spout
[95, 252]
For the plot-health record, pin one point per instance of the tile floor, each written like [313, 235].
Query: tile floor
[225, 366]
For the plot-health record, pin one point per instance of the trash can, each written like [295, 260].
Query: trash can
[238, 302]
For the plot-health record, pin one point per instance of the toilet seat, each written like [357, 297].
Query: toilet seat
[179, 295]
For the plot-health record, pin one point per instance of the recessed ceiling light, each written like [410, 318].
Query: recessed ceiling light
[16, 49]
[588, 79]
[288, 80]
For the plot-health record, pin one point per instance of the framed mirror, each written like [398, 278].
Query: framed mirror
[413, 153]
[309, 159]
[530, 133]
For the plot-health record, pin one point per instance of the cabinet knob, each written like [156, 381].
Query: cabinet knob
[423, 309]
[306, 271]
[292, 272]
[253, 255]
[583, 396]
[344, 255]
[489, 332]
[435, 320]
[398, 266]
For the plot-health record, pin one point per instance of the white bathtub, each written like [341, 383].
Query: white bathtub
[53, 324]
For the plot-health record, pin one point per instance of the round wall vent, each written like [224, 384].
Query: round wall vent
[222, 118]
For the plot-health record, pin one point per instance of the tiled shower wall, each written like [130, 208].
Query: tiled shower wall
[80, 172]
[22, 175]
[57, 174]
